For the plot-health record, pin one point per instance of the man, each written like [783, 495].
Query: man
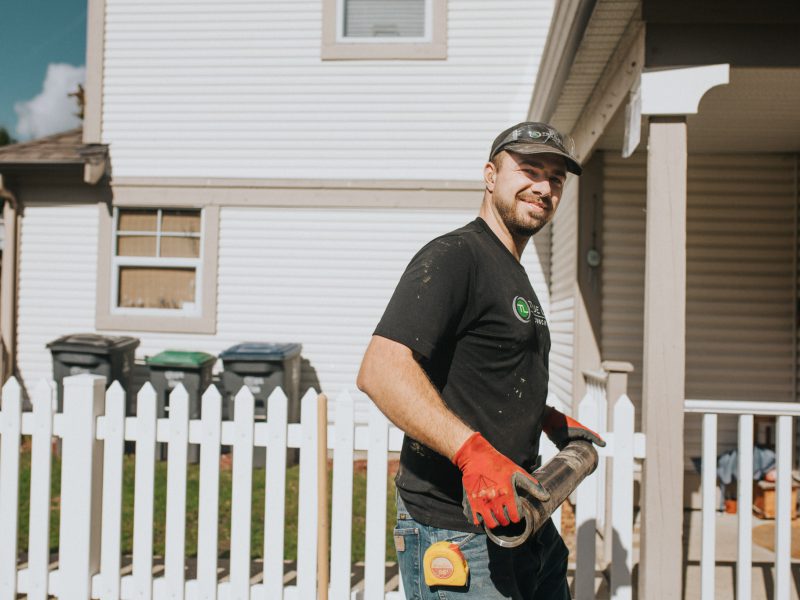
[459, 362]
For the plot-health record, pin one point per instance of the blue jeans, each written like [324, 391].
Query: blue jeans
[536, 570]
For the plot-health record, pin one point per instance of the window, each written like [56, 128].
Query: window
[159, 270]
[157, 260]
[384, 29]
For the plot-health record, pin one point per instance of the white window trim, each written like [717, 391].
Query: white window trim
[335, 46]
[156, 261]
[201, 319]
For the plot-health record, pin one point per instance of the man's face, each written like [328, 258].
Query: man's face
[526, 189]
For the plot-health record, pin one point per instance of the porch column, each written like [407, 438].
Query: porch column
[664, 354]
[667, 96]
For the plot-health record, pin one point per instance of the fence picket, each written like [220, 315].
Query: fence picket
[10, 432]
[342, 504]
[274, 506]
[586, 513]
[783, 506]
[208, 510]
[142, 573]
[81, 465]
[241, 496]
[375, 546]
[744, 500]
[113, 452]
[622, 504]
[41, 464]
[177, 457]
[709, 487]
[307, 504]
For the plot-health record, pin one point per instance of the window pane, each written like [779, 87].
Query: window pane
[137, 220]
[384, 18]
[151, 287]
[136, 245]
[180, 247]
[180, 221]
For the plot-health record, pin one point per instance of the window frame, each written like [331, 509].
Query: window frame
[199, 319]
[157, 261]
[433, 46]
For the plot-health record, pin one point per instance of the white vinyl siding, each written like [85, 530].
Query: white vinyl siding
[741, 283]
[57, 279]
[320, 277]
[563, 286]
[238, 89]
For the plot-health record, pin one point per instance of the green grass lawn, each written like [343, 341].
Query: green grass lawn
[193, 487]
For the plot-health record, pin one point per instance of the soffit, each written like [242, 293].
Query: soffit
[755, 112]
[604, 31]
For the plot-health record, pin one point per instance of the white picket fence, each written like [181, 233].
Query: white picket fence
[93, 429]
[784, 413]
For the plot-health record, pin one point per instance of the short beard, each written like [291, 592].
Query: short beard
[515, 226]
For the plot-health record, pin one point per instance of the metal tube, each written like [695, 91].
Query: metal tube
[560, 476]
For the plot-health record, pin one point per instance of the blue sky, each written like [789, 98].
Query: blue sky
[35, 35]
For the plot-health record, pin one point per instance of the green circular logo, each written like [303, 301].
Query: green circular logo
[522, 309]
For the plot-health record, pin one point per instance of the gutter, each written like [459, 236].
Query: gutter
[569, 22]
[8, 283]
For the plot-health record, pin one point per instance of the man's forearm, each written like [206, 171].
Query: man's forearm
[399, 387]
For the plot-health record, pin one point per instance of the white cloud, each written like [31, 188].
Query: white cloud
[52, 111]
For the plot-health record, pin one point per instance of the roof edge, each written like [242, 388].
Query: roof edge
[569, 22]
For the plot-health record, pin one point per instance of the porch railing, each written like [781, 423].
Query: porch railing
[784, 413]
[604, 501]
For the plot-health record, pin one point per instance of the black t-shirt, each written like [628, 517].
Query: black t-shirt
[466, 305]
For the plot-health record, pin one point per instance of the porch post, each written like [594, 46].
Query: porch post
[663, 367]
[667, 96]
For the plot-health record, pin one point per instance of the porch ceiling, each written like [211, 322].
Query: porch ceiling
[756, 112]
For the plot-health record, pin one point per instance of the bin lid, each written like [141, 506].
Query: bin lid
[261, 351]
[92, 343]
[180, 359]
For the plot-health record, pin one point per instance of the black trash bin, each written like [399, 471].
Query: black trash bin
[109, 356]
[262, 367]
[167, 370]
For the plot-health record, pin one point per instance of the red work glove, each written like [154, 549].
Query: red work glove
[562, 429]
[490, 483]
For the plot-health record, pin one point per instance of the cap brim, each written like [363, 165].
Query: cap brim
[572, 165]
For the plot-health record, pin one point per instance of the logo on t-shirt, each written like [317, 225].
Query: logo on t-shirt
[522, 309]
[525, 309]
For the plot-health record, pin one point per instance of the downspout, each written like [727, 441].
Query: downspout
[8, 283]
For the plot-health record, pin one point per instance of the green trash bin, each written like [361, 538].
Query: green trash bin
[173, 367]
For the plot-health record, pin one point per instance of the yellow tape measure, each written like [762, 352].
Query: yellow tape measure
[444, 564]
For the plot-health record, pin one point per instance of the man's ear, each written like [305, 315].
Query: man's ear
[489, 175]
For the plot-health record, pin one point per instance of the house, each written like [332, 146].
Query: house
[265, 173]
[677, 250]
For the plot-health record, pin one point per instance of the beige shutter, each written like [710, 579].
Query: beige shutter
[741, 280]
